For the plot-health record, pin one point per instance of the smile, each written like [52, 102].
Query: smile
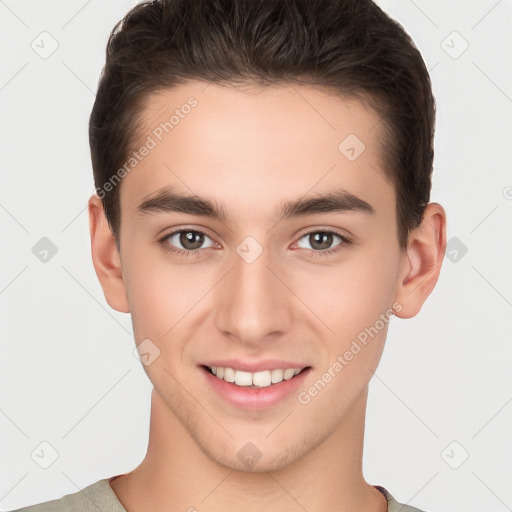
[257, 390]
[254, 379]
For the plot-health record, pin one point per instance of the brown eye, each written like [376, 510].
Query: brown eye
[186, 240]
[191, 240]
[321, 240]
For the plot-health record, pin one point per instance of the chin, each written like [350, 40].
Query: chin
[254, 456]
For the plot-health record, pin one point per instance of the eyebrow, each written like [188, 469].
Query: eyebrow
[336, 201]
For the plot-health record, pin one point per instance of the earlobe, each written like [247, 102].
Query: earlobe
[105, 257]
[422, 261]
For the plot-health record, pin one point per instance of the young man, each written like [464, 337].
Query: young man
[263, 174]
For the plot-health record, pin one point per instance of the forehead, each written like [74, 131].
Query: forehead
[255, 141]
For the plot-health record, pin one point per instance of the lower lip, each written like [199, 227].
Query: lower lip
[254, 398]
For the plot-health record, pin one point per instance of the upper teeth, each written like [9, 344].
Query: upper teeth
[259, 379]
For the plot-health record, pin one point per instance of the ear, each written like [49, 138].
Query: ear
[421, 263]
[106, 258]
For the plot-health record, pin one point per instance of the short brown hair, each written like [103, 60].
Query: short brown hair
[348, 46]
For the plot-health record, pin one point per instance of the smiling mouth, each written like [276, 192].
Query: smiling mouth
[254, 380]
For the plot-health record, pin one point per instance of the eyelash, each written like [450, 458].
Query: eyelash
[181, 252]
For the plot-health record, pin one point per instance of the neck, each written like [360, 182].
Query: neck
[177, 475]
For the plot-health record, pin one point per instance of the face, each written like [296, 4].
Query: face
[247, 279]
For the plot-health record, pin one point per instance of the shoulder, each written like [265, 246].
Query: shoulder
[97, 497]
[395, 506]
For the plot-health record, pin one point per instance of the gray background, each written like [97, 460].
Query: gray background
[68, 375]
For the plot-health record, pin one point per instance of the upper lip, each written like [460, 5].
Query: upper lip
[255, 366]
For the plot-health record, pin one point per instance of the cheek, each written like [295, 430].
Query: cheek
[354, 302]
[351, 295]
[150, 289]
[163, 295]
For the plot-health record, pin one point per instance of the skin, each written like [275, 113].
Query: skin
[250, 150]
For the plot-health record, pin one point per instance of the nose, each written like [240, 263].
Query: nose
[253, 302]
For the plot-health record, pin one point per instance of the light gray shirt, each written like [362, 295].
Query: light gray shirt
[99, 497]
